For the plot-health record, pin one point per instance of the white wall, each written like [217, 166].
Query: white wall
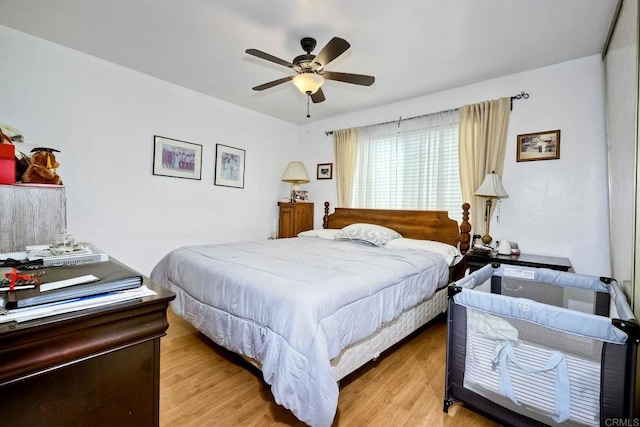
[556, 207]
[102, 117]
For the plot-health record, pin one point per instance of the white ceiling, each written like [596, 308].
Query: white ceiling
[412, 47]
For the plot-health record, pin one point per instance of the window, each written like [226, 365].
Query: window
[411, 166]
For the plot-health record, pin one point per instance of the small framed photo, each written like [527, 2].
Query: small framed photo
[325, 171]
[300, 196]
[539, 146]
[175, 158]
[229, 166]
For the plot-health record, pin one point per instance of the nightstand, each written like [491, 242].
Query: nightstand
[477, 261]
[294, 218]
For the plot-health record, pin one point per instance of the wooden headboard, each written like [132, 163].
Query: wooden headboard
[413, 224]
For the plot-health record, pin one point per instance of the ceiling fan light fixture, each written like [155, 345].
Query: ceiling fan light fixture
[308, 83]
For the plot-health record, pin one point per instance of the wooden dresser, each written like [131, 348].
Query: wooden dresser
[294, 218]
[97, 367]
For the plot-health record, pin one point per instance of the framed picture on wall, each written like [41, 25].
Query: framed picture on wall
[178, 159]
[325, 171]
[229, 166]
[539, 146]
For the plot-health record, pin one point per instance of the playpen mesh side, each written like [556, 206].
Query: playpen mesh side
[582, 300]
[532, 346]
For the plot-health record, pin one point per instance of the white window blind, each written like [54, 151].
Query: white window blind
[411, 166]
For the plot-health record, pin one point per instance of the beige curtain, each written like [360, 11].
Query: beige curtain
[483, 138]
[345, 143]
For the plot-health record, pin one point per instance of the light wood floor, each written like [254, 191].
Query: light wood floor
[203, 384]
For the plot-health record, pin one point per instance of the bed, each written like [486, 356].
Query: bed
[310, 310]
[532, 346]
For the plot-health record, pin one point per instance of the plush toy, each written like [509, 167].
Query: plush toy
[42, 169]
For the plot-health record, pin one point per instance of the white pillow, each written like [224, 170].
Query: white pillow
[371, 234]
[322, 233]
[450, 253]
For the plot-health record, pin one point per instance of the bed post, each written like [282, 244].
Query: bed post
[465, 229]
[325, 218]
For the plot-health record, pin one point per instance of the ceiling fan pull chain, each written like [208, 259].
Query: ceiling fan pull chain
[308, 98]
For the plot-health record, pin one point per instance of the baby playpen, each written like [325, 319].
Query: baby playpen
[527, 346]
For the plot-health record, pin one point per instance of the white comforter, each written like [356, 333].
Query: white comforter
[294, 304]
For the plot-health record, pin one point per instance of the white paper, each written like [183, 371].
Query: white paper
[35, 312]
[68, 282]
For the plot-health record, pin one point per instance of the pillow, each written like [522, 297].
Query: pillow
[371, 234]
[322, 233]
[450, 253]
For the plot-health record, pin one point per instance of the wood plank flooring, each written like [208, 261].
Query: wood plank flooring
[204, 384]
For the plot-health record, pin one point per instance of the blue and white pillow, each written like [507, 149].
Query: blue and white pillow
[370, 234]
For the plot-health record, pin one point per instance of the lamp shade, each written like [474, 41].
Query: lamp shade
[308, 83]
[492, 187]
[295, 173]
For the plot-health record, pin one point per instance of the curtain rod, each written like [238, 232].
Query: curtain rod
[521, 95]
[400, 119]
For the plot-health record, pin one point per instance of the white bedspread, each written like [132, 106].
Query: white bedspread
[294, 304]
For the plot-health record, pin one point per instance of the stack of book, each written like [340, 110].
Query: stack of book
[69, 282]
[63, 277]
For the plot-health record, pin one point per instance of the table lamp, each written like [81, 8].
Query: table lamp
[490, 188]
[296, 174]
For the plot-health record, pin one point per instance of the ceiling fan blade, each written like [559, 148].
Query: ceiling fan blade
[356, 79]
[318, 96]
[331, 51]
[273, 83]
[264, 55]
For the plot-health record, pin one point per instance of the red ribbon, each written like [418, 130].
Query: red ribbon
[13, 277]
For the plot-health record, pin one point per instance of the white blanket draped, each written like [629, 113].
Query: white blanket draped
[294, 304]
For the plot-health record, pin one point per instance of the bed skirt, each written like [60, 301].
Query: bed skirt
[361, 352]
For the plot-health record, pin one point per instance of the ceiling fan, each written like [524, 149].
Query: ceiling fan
[310, 69]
